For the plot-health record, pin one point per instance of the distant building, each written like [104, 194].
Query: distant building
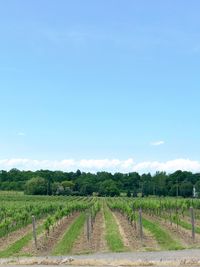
[195, 193]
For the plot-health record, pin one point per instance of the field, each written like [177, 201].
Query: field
[85, 225]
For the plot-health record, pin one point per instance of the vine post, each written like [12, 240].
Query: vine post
[134, 217]
[88, 226]
[34, 231]
[140, 224]
[193, 223]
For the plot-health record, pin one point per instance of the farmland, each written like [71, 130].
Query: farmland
[82, 225]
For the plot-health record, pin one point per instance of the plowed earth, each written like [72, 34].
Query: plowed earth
[131, 237]
[96, 243]
[46, 244]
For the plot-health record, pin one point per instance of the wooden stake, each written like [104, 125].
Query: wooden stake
[88, 227]
[140, 223]
[135, 225]
[193, 223]
[34, 231]
[91, 223]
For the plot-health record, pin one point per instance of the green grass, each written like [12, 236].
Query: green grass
[11, 193]
[113, 237]
[163, 238]
[16, 247]
[188, 226]
[67, 242]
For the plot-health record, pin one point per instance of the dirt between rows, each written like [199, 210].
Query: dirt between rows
[181, 234]
[97, 241]
[188, 220]
[11, 238]
[131, 238]
[129, 235]
[46, 244]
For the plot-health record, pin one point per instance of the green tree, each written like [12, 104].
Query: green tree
[186, 189]
[57, 189]
[159, 181]
[67, 184]
[109, 188]
[36, 186]
[128, 193]
[197, 187]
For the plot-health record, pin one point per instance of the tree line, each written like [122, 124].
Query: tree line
[45, 182]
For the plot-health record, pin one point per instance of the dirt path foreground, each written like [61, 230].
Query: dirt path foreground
[160, 258]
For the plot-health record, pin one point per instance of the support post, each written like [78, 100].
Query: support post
[34, 231]
[140, 224]
[88, 227]
[134, 215]
[193, 223]
[91, 223]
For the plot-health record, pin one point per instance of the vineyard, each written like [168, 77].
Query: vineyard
[46, 225]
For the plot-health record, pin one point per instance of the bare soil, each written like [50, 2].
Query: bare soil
[181, 234]
[131, 238]
[97, 241]
[98, 236]
[8, 240]
[188, 220]
[46, 243]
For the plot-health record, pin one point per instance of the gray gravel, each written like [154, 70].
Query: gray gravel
[161, 258]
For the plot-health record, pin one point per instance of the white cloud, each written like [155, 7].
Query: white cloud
[94, 165]
[168, 166]
[157, 143]
[99, 163]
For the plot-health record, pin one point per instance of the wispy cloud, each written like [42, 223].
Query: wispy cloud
[94, 165]
[21, 134]
[157, 143]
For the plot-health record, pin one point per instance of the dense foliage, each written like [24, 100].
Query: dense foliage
[45, 182]
[16, 210]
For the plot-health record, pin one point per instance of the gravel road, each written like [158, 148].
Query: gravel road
[162, 258]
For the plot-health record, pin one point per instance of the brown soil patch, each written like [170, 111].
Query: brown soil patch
[97, 241]
[47, 244]
[98, 236]
[119, 219]
[131, 237]
[188, 220]
[14, 236]
[181, 234]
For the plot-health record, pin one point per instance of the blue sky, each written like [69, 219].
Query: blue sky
[100, 85]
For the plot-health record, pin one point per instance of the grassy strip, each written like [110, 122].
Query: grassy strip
[67, 242]
[188, 226]
[113, 237]
[163, 237]
[19, 244]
